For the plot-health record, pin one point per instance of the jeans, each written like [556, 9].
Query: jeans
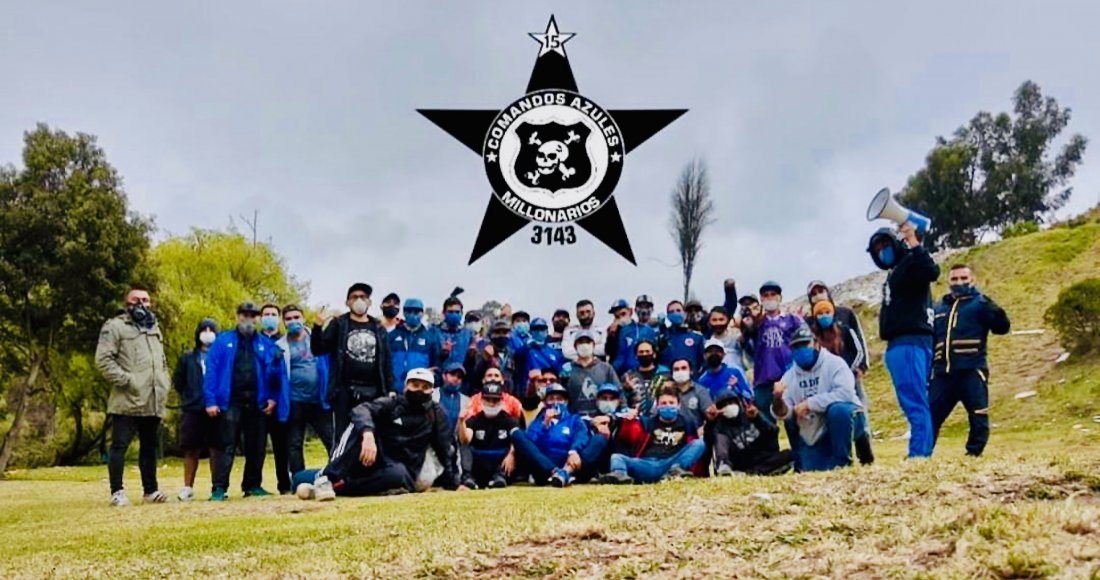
[909, 364]
[970, 388]
[303, 415]
[534, 460]
[844, 422]
[278, 431]
[247, 422]
[646, 470]
[123, 428]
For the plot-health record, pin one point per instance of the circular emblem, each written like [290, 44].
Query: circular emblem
[553, 156]
[689, 341]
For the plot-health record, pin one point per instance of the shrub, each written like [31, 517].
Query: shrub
[1021, 228]
[1076, 316]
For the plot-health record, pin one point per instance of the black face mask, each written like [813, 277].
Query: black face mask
[390, 311]
[718, 329]
[646, 360]
[142, 316]
[559, 326]
[418, 399]
[499, 341]
[714, 360]
[585, 321]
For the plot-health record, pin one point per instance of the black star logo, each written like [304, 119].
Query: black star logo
[551, 71]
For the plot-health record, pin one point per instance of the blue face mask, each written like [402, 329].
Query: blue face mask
[521, 328]
[540, 336]
[452, 318]
[295, 327]
[676, 318]
[668, 412]
[886, 256]
[412, 319]
[451, 389]
[805, 357]
[561, 408]
[269, 323]
[825, 320]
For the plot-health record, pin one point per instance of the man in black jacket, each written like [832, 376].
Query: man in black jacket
[392, 446]
[964, 320]
[197, 430]
[905, 323]
[361, 369]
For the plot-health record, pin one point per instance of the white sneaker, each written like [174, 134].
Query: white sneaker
[155, 497]
[322, 489]
[119, 499]
[304, 491]
[186, 494]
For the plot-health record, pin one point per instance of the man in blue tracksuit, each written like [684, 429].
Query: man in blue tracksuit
[537, 354]
[905, 323]
[413, 345]
[677, 341]
[717, 376]
[240, 387]
[553, 444]
[627, 336]
[457, 342]
[964, 320]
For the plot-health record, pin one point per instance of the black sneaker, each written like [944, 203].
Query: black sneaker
[615, 478]
[863, 450]
[497, 482]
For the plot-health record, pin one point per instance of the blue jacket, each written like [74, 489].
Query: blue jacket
[410, 349]
[569, 433]
[718, 380]
[536, 356]
[629, 336]
[218, 380]
[681, 343]
[283, 401]
[962, 326]
[460, 338]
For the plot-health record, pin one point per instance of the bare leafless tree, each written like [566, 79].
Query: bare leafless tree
[692, 212]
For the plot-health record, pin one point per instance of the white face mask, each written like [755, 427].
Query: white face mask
[207, 337]
[771, 305]
[359, 306]
[473, 327]
[490, 412]
[681, 377]
[819, 297]
[607, 407]
[731, 411]
[585, 350]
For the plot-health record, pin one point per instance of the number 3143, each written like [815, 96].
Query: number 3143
[550, 235]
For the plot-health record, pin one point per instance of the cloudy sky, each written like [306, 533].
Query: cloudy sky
[306, 112]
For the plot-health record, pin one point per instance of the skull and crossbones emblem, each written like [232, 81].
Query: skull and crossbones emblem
[551, 157]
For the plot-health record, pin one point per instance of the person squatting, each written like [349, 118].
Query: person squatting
[402, 405]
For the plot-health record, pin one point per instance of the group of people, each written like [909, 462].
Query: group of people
[403, 405]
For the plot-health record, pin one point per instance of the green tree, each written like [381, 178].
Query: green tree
[69, 248]
[997, 170]
[207, 274]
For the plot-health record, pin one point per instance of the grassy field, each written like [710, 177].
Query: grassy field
[1030, 508]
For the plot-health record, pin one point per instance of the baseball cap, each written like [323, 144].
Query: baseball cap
[584, 334]
[620, 303]
[643, 299]
[454, 367]
[391, 297]
[556, 389]
[810, 286]
[802, 336]
[714, 342]
[693, 303]
[361, 286]
[248, 308]
[492, 390]
[771, 285]
[414, 304]
[539, 323]
[748, 299]
[421, 375]
[611, 388]
[501, 325]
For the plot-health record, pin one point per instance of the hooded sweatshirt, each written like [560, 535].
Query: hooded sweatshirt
[828, 381]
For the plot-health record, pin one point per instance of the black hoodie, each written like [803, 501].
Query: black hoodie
[187, 379]
[907, 292]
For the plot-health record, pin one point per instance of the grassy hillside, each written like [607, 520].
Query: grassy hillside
[1023, 275]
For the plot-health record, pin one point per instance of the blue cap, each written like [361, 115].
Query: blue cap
[539, 322]
[620, 303]
[454, 367]
[611, 388]
[414, 303]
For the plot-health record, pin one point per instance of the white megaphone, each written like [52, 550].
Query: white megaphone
[884, 206]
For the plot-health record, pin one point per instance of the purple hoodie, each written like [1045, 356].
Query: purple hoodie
[772, 356]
